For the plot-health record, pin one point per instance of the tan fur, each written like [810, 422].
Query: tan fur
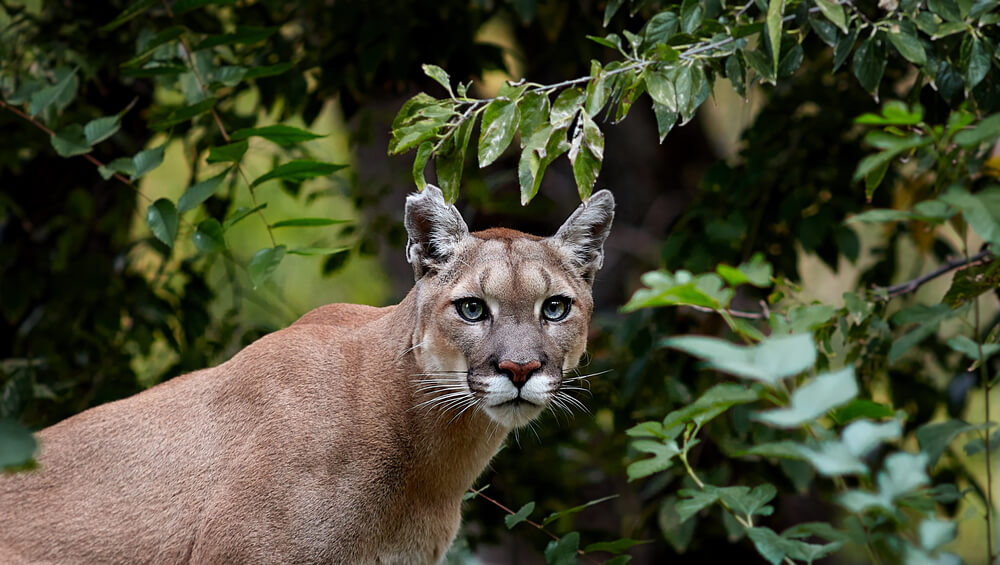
[315, 444]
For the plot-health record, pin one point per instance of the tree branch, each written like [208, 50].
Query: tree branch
[912, 285]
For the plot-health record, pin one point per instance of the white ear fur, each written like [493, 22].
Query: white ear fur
[582, 235]
[434, 228]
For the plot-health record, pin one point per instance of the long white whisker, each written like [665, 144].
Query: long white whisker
[573, 402]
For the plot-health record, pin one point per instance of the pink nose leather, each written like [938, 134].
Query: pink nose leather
[519, 372]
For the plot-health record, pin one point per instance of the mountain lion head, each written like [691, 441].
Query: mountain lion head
[502, 315]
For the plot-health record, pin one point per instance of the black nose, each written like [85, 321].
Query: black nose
[518, 373]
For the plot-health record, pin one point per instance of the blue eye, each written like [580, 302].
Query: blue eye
[556, 308]
[472, 309]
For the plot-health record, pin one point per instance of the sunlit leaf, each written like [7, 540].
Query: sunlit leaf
[814, 399]
[770, 361]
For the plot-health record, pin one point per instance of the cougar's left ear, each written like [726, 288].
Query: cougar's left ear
[433, 227]
[582, 235]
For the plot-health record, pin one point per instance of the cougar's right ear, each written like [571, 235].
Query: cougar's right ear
[433, 228]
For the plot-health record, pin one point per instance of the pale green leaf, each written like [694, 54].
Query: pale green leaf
[814, 399]
[263, 264]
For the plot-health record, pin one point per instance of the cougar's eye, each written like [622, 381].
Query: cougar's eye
[556, 308]
[472, 309]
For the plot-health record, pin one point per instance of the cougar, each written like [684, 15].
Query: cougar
[348, 437]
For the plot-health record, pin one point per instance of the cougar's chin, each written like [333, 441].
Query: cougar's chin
[514, 413]
[514, 407]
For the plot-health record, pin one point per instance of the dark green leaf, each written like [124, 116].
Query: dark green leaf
[500, 120]
[694, 501]
[241, 213]
[184, 114]
[843, 48]
[563, 551]
[712, 403]
[161, 217]
[661, 89]
[617, 546]
[59, 93]
[934, 438]
[307, 223]
[312, 251]
[298, 171]
[976, 61]
[736, 73]
[163, 36]
[122, 165]
[665, 119]
[534, 115]
[263, 263]
[268, 70]
[980, 210]
[129, 13]
[971, 349]
[70, 141]
[208, 238]
[244, 35]
[439, 75]
[420, 164]
[903, 37]
[598, 91]
[946, 9]
[869, 62]
[986, 130]
[861, 408]
[833, 12]
[586, 153]
[775, 9]
[99, 129]
[543, 148]
[692, 13]
[147, 160]
[451, 163]
[184, 6]
[521, 515]
[199, 192]
[574, 510]
[225, 153]
[662, 452]
[660, 28]
[281, 134]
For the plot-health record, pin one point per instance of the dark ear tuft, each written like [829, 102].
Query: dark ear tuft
[433, 228]
[582, 235]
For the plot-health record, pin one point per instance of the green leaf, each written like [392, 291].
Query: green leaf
[70, 141]
[500, 120]
[665, 119]
[775, 548]
[662, 452]
[736, 73]
[598, 91]
[756, 272]
[904, 472]
[981, 210]
[660, 28]
[977, 61]
[17, 445]
[779, 449]
[861, 408]
[184, 6]
[903, 37]
[769, 361]
[200, 192]
[843, 48]
[586, 153]
[833, 459]
[420, 164]
[935, 437]
[971, 282]
[132, 11]
[451, 163]
[661, 89]
[161, 217]
[99, 129]
[692, 13]
[680, 288]
[694, 502]
[986, 130]
[869, 63]
[148, 47]
[307, 223]
[946, 9]
[894, 113]
[833, 12]
[618, 546]
[147, 160]
[268, 70]
[263, 263]
[544, 147]
[535, 110]
[521, 515]
[230, 152]
[747, 502]
[814, 399]
[59, 93]
[712, 403]
[208, 237]
[244, 35]
[184, 114]
[439, 75]
[283, 135]
[934, 533]
[565, 108]
[977, 445]
[240, 213]
[574, 510]
[298, 171]
[970, 349]
[862, 436]
[120, 165]
[563, 551]
[775, 9]
[313, 251]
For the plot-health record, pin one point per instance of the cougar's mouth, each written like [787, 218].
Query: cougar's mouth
[514, 403]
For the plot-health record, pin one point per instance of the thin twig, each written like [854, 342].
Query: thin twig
[531, 522]
[86, 156]
[912, 285]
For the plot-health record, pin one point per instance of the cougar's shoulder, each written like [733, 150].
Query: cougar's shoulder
[343, 315]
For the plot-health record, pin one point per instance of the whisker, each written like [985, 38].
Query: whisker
[573, 401]
[419, 345]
